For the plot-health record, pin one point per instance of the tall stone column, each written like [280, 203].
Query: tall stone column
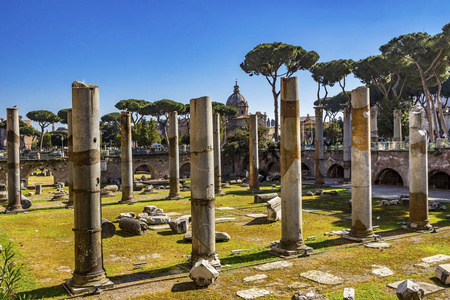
[174, 157]
[374, 124]
[13, 161]
[70, 157]
[347, 144]
[418, 170]
[397, 125]
[89, 271]
[254, 161]
[202, 182]
[361, 167]
[291, 242]
[319, 145]
[126, 158]
[217, 159]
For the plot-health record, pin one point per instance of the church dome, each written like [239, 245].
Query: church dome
[238, 101]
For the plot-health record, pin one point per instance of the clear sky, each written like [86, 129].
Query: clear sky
[178, 50]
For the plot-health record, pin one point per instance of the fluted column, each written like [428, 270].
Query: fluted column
[418, 171]
[174, 157]
[291, 242]
[254, 161]
[126, 158]
[319, 145]
[89, 271]
[347, 144]
[361, 166]
[202, 182]
[13, 161]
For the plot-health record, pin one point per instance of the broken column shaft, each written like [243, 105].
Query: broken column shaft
[291, 242]
[347, 144]
[126, 158]
[89, 271]
[254, 161]
[397, 125]
[13, 162]
[70, 156]
[418, 170]
[174, 157]
[202, 182]
[319, 145]
[361, 166]
[217, 158]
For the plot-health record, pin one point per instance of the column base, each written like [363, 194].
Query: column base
[127, 201]
[176, 196]
[420, 225]
[254, 191]
[359, 239]
[219, 194]
[276, 250]
[14, 209]
[213, 259]
[76, 290]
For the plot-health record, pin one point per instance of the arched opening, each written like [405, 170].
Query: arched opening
[274, 168]
[305, 170]
[336, 171]
[185, 170]
[42, 176]
[439, 180]
[389, 177]
[143, 172]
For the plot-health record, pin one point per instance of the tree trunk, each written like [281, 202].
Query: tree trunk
[42, 139]
[428, 100]
[439, 104]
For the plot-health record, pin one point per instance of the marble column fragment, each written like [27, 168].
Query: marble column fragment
[13, 161]
[174, 157]
[126, 158]
[397, 125]
[374, 124]
[70, 157]
[347, 144]
[202, 182]
[217, 158]
[254, 161]
[418, 170]
[89, 271]
[319, 145]
[291, 242]
[361, 166]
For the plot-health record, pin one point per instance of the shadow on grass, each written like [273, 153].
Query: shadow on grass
[186, 286]
[258, 221]
[145, 275]
[125, 234]
[47, 292]
[247, 258]
[166, 232]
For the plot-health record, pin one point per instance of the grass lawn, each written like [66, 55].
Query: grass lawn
[43, 241]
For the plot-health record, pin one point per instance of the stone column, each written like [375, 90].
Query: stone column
[253, 151]
[70, 157]
[374, 124]
[126, 158]
[202, 182]
[217, 159]
[174, 157]
[13, 161]
[418, 171]
[319, 145]
[347, 144]
[397, 125]
[291, 242]
[89, 271]
[361, 167]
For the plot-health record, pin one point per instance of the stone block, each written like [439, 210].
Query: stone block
[319, 192]
[149, 209]
[322, 277]
[157, 220]
[180, 224]
[309, 193]
[131, 215]
[263, 198]
[257, 277]
[274, 265]
[220, 236]
[381, 271]
[203, 274]
[435, 259]
[408, 290]
[442, 272]
[252, 293]
[274, 209]
[111, 188]
[349, 294]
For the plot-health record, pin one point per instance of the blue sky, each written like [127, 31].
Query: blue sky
[180, 50]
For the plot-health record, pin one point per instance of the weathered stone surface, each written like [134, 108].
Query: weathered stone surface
[422, 265]
[408, 290]
[274, 209]
[435, 259]
[427, 287]
[180, 224]
[377, 245]
[297, 285]
[156, 220]
[381, 271]
[262, 198]
[25, 202]
[220, 236]
[226, 208]
[349, 294]
[149, 209]
[132, 226]
[106, 193]
[111, 188]
[159, 227]
[274, 265]
[252, 293]
[319, 192]
[108, 229]
[38, 189]
[322, 277]
[137, 186]
[442, 272]
[126, 215]
[309, 193]
[256, 216]
[202, 273]
[257, 277]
